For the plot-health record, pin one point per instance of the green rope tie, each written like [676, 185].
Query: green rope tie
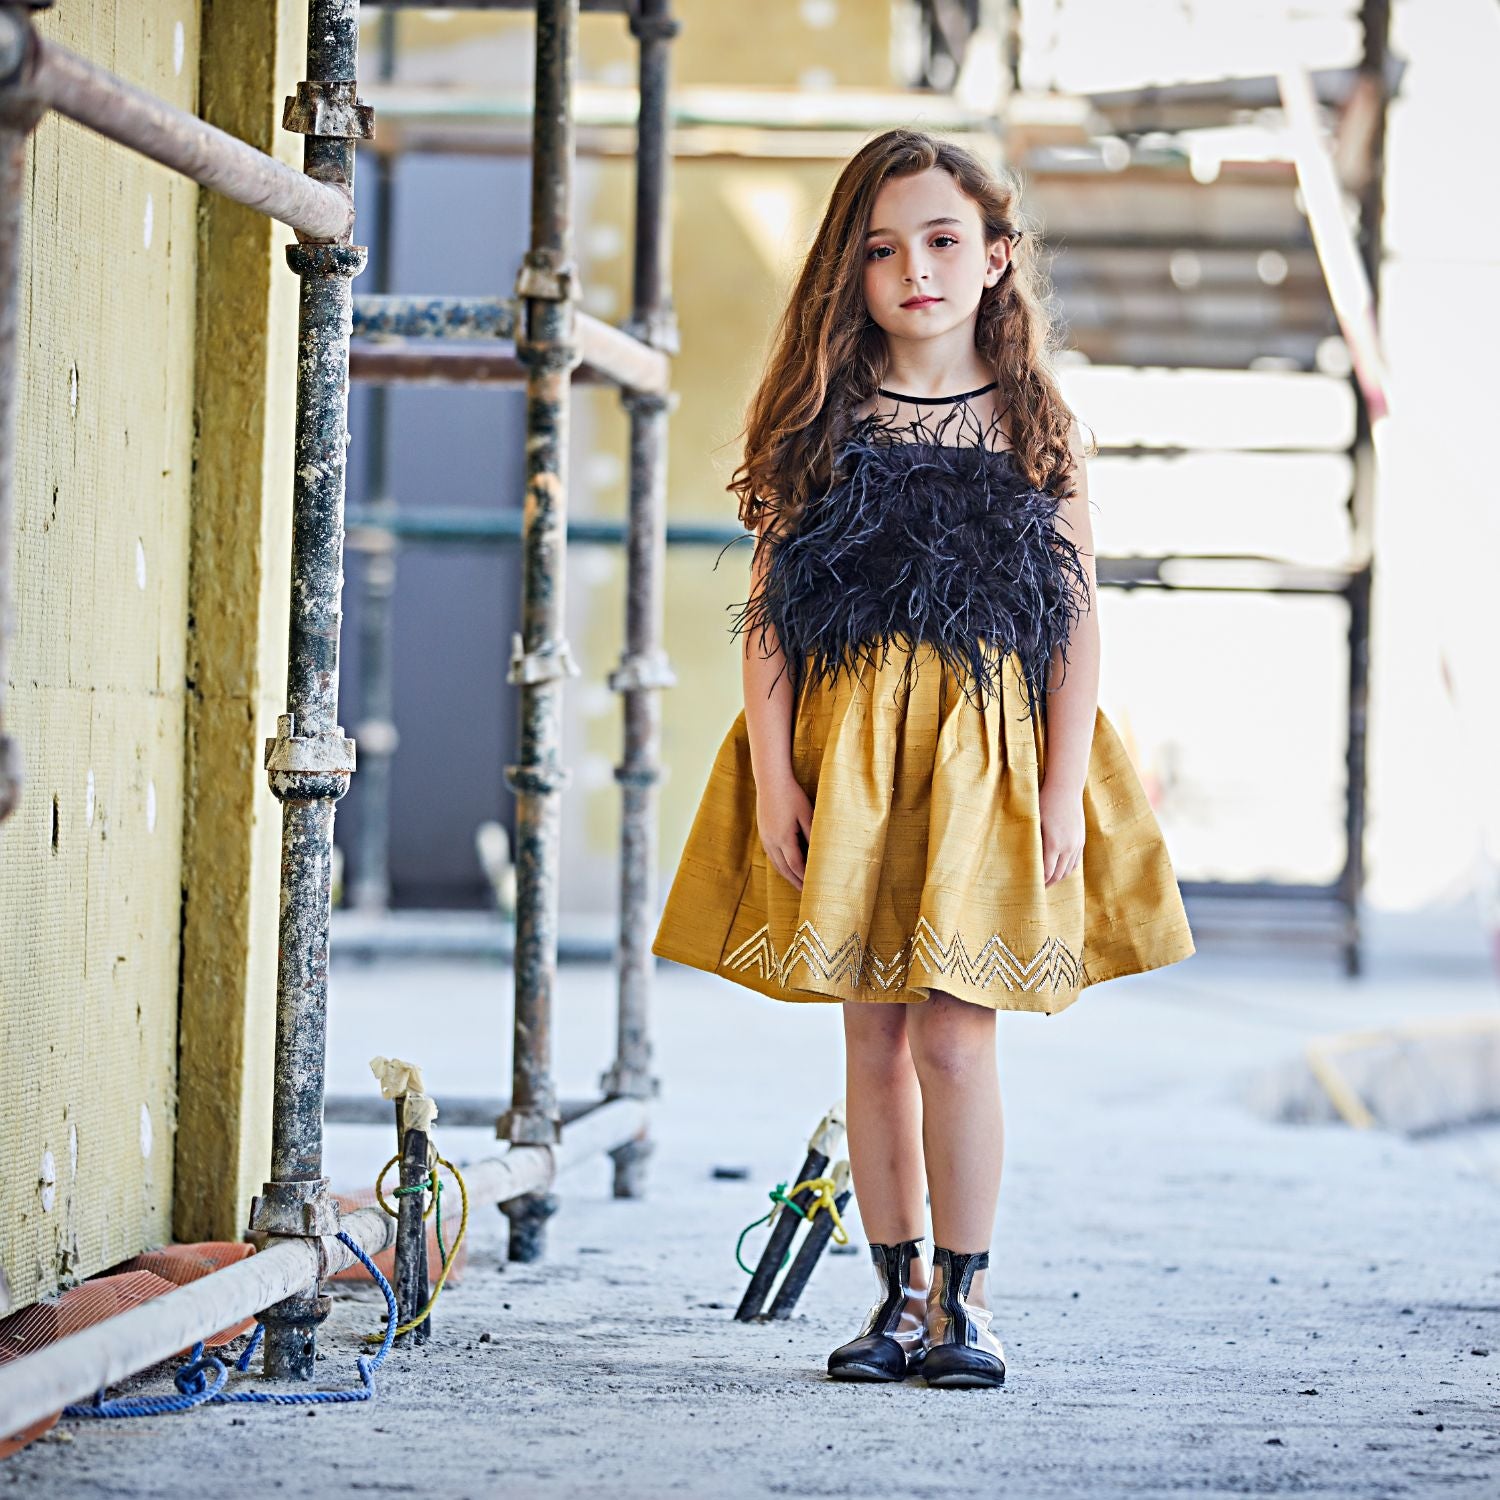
[433, 1185]
[779, 1200]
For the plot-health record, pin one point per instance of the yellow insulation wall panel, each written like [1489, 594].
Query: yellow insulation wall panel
[239, 601]
[91, 864]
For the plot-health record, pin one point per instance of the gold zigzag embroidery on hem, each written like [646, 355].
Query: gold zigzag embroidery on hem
[1053, 967]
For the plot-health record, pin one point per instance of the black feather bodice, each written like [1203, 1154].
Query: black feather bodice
[918, 540]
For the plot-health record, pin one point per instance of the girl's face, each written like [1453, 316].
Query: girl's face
[926, 263]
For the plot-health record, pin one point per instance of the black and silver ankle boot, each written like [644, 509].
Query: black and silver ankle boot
[892, 1333]
[960, 1348]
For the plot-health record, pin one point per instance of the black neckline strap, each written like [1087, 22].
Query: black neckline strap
[937, 400]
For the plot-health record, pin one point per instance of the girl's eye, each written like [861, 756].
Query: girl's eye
[952, 240]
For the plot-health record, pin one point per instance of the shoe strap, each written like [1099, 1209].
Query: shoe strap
[958, 1276]
[893, 1266]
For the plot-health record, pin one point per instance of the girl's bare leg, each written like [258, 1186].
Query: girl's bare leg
[883, 1108]
[952, 1044]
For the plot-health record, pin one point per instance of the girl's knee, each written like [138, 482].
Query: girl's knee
[948, 1037]
[875, 1031]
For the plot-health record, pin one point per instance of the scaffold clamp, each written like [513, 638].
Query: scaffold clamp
[311, 765]
[529, 1127]
[642, 669]
[542, 275]
[296, 1210]
[329, 108]
[552, 659]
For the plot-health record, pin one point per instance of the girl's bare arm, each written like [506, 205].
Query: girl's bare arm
[768, 710]
[1071, 706]
[782, 807]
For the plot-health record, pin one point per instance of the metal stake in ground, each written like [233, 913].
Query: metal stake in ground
[821, 1145]
[811, 1248]
[411, 1279]
[310, 761]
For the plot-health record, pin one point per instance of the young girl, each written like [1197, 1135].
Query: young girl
[921, 812]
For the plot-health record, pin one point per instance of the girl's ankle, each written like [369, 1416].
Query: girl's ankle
[976, 1293]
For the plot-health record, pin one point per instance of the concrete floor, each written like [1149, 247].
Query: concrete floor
[1192, 1299]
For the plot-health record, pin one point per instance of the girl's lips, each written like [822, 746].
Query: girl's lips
[920, 301]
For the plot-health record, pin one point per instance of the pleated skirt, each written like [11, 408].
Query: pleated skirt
[924, 864]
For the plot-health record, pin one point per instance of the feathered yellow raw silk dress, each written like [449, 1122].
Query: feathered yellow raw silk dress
[920, 599]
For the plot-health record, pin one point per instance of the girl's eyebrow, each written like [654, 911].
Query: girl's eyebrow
[930, 224]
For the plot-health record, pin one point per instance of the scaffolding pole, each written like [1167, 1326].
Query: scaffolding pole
[370, 890]
[643, 670]
[310, 761]
[1351, 266]
[541, 659]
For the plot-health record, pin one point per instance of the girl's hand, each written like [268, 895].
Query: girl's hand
[782, 812]
[1062, 832]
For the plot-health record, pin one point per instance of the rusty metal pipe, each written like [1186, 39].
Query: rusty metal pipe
[643, 670]
[433, 364]
[403, 317]
[605, 352]
[541, 660]
[310, 761]
[53, 77]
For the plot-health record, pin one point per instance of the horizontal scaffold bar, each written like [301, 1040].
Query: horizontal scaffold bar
[406, 338]
[53, 77]
[491, 320]
[600, 7]
[393, 317]
[602, 104]
[464, 1111]
[499, 528]
[1303, 894]
[434, 363]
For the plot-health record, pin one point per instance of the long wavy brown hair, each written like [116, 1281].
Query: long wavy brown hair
[829, 355]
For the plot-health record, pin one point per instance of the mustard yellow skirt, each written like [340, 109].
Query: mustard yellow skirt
[924, 863]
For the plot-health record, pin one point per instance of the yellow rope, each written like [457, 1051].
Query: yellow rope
[824, 1188]
[780, 1199]
[463, 1225]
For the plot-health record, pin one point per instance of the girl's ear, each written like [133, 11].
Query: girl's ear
[1010, 241]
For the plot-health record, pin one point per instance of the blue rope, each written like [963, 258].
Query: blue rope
[191, 1382]
[243, 1363]
[195, 1388]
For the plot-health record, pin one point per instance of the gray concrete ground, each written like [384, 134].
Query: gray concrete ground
[1193, 1299]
